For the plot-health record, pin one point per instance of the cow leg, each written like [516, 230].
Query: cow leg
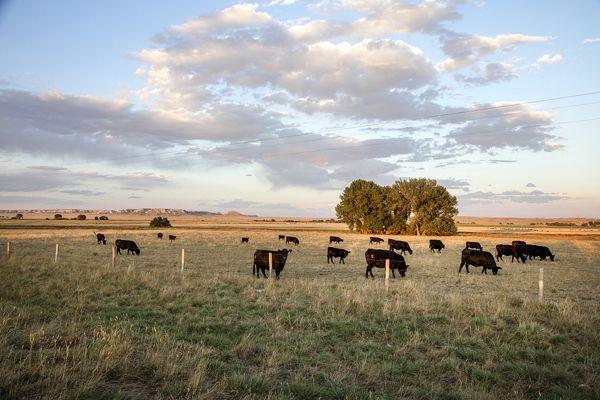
[462, 263]
[393, 274]
[263, 272]
[118, 250]
[342, 261]
[277, 271]
[484, 270]
[367, 272]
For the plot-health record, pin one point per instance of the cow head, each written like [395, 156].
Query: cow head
[410, 251]
[137, 251]
[551, 257]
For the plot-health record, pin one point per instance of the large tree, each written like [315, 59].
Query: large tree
[414, 206]
[362, 207]
[431, 208]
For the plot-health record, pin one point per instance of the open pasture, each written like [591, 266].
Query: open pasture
[144, 329]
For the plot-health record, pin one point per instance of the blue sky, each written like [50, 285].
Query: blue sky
[271, 108]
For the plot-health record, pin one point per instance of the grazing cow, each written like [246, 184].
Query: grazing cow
[375, 239]
[292, 239]
[128, 245]
[473, 245]
[509, 250]
[517, 242]
[100, 238]
[245, 240]
[281, 237]
[519, 252]
[172, 238]
[376, 259]
[333, 252]
[335, 239]
[478, 258]
[159, 235]
[400, 245]
[435, 244]
[539, 251]
[261, 261]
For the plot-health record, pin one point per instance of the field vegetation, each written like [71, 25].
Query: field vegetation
[144, 329]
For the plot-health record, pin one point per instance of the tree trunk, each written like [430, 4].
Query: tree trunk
[418, 231]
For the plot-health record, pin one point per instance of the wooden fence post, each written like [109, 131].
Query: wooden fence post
[182, 259]
[541, 285]
[270, 264]
[387, 274]
[56, 254]
[113, 256]
[7, 249]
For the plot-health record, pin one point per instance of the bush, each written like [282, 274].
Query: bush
[58, 216]
[19, 216]
[160, 222]
[81, 217]
[103, 218]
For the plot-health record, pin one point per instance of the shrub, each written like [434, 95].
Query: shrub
[81, 217]
[160, 222]
[103, 218]
[58, 216]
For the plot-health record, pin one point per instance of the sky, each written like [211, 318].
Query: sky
[273, 107]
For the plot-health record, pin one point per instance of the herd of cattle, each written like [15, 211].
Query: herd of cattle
[472, 255]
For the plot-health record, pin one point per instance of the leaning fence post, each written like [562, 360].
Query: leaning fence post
[541, 285]
[113, 256]
[270, 264]
[56, 254]
[7, 249]
[182, 259]
[387, 274]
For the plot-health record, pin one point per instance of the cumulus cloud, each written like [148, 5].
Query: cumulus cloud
[530, 185]
[548, 59]
[591, 40]
[489, 72]
[514, 196]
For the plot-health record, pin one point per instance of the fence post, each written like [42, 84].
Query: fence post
[541, 285]
[113, 256]
[56, 254]
[7, 249]
[387, 274]
[182, 259]
[270, 264]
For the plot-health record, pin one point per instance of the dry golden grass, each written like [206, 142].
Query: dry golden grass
[82, 329]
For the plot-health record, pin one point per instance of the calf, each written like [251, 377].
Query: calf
[375, 239]
[400, 245]
[172, 238]
[292, 239]
[159, 235]
[376, 259]
[509, 250]
[100, 238]
[245, 240]
[335, 239]
[281, 237]
[539, 251]
[473, 245]
[333, 252]
[435, 244]
[261, 261]
[478, 258]
[128, 245]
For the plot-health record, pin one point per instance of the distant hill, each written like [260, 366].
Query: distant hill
[125, 211]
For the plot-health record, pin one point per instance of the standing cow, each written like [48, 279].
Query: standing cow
[335, 239]
[172, 238]
[375, 239]
[376, 259]
[400, 245]
[509, 250]
[159, 235]
[473, 245]
[478, 258]
[100, 238]
[292, 239]
[333, 252]
[128, 245]
[539, 251]
[281, 237]
[435, 244]
[245, 240]
[261, 261]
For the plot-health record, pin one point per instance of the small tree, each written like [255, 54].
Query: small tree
[96, 218]
[160, 222]
[81, 217]
[362, 207]
[58, 216]
[103, 218]
[19, 216]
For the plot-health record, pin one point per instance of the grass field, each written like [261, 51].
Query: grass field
[144, 329]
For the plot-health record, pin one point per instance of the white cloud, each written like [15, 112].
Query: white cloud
[548, 59]
[490, 72]
[591, 40]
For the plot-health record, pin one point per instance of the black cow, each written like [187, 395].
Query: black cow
[281, 237]
[292, 239]
[435, 244]
[509, 250]
[245, 240]
[261, 261]
[518, 242]
[159, 235]
[333, 252]
[539, 251]
[100, 238]
[128, 245]
[376, 259]
[335, 239]
[375, 239]
[473, 245]
[478, 258]
[172, 238]
[400, 245]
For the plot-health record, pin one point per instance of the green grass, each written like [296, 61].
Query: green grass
[81, 329]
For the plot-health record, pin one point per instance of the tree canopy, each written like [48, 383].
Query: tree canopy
[160, 222]
[412, 206]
